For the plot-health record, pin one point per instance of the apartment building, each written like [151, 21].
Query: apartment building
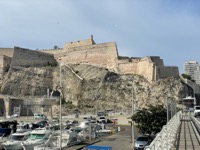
[192, 68]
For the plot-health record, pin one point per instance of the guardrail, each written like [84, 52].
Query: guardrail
[196, 127]
[165, 138]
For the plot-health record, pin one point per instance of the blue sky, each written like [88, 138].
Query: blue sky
[166, 28]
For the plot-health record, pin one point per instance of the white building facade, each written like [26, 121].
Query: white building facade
[192, 68]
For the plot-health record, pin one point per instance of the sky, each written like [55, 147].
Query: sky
[166, 28]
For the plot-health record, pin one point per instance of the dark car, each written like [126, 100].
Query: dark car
[142, 141]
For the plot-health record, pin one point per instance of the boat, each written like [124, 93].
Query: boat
[23, 127]
[69, 138]
[6, 129]
[3, 139]
[14, 142]
[37, 137]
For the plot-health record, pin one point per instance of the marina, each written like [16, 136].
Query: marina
[29, 133]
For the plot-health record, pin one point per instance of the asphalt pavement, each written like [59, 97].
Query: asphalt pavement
[120, 141]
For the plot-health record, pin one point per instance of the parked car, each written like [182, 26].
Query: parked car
[86, 118]
[40, 116]
[15, 116]
[142, 141]
[196, 111]
[102, 120]
[99, 114]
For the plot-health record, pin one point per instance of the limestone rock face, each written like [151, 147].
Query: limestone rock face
[28, 82]
[90, 87]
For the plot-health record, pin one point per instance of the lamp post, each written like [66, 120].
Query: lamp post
[133, 109]
[60, 108]
[167, 109]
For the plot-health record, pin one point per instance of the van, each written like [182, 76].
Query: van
[40, 116]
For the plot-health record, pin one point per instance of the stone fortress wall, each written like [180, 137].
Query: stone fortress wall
[127, 65]
[88, 52]
[5, 62]
[81, 52]
[6, 55]
[19, 57]
[7, 51]
[29, 58]
[167, 71]
[103, 55]
[106, 55]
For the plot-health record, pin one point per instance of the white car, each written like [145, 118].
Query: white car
[40, 116]
[196, 111]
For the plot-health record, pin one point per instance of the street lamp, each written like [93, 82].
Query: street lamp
[60, 107]
[133, 111]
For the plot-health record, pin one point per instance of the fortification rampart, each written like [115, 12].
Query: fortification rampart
[69, 45]
[29, 58]
[146, 68]
[102, 55]
[128, 65]
[127, 68]
[4, 64]
[52, 51]
[167, 71]
[157, 61]
[88, 52]
[7, 52]
[106, 55]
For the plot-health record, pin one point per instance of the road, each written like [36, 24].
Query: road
[120, 141]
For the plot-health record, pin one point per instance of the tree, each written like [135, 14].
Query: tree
[151, 119]
[186, 76]
[56, 47]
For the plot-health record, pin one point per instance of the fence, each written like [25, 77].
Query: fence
[165, 138]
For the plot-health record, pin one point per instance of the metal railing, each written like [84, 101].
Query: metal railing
[165, 138]
[196, 127]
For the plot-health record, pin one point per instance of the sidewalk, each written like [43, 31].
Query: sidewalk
[186, 139]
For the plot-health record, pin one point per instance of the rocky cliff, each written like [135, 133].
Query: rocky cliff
[91, 87]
